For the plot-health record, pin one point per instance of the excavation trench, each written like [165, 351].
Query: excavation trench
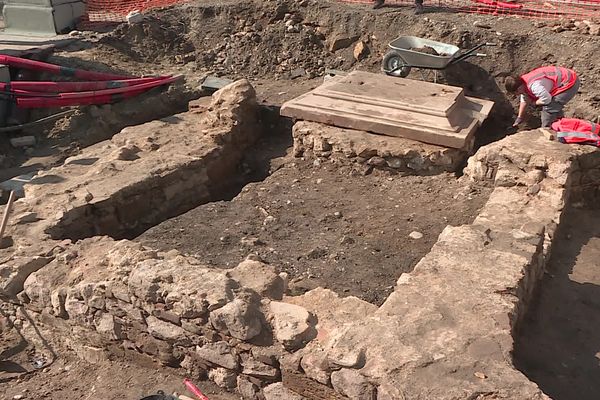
[217, 175]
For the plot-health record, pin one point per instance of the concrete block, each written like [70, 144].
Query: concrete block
[422, 111]
[50, 19]
[134, 17]
[43, 3]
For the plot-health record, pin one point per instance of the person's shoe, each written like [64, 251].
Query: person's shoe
[378, 4]
[418, 9]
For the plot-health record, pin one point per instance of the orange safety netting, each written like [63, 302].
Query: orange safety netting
[550, 9]
[117, 10]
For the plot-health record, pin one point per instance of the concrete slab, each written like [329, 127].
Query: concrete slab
[24, 45]
[422, 111]
[24, 17]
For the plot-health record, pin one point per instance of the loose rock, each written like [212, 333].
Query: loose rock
[260, 277]
[223, 378]
[416, 235]
[277, 391]
[239, 319]
[292, 325]
[352, 384]
[219, 353]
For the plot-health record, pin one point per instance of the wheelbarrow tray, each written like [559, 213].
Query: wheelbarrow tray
[403, 44]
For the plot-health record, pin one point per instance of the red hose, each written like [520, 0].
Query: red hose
[58, 87]
[98, 88]
[91, 97]
[33, 65]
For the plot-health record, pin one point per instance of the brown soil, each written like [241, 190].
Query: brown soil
[426, 50]
[325, 225]
[559, 347]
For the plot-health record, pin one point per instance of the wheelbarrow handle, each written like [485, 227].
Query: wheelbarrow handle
[471, 53]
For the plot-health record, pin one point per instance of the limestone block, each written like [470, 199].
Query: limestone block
[257, 369]
[260, 277]
[219, 353]
[333, 313]
[292, 325]
[277, 391]
[240, 319]
[352, 384]
[247, 389]
[165, 330]
[224, 378]
[421, 111]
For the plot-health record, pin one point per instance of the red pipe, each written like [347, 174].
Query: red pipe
[91, 97]
[25, 63]
[59, 87]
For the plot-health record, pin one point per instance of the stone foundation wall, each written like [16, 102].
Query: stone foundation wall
[326, 142]
[446, 331]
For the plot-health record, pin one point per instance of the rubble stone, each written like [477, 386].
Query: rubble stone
[341, 41]
[347, 145]
[352, 384]
[239, 319]
[260, 277]
[277, 391]
[110, 326]
[292, 325]
[165, 330]
[224, 378]
[360, 50]
[315, 365]
[259, 370]
[219, 353]
[247, 389]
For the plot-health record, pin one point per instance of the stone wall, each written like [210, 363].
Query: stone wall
[446, 331]
[139, 178]
[312, 139]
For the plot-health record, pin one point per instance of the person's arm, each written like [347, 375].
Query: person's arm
[522, 110]
[540, 91]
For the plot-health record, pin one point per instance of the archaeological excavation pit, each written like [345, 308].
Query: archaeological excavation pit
[286, 259]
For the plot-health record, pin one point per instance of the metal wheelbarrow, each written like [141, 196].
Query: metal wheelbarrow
[403, 57]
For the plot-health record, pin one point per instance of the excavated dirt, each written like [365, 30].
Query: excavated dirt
[275, 42]
[326, 226]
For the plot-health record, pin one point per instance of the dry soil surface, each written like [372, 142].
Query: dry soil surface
[70, 378]
[560, 347]
[326, 225]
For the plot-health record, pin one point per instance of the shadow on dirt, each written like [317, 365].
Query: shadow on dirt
[558, 347]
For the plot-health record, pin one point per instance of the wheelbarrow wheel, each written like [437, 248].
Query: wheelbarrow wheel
[394, 65]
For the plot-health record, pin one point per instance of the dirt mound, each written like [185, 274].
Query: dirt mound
[283, 40]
